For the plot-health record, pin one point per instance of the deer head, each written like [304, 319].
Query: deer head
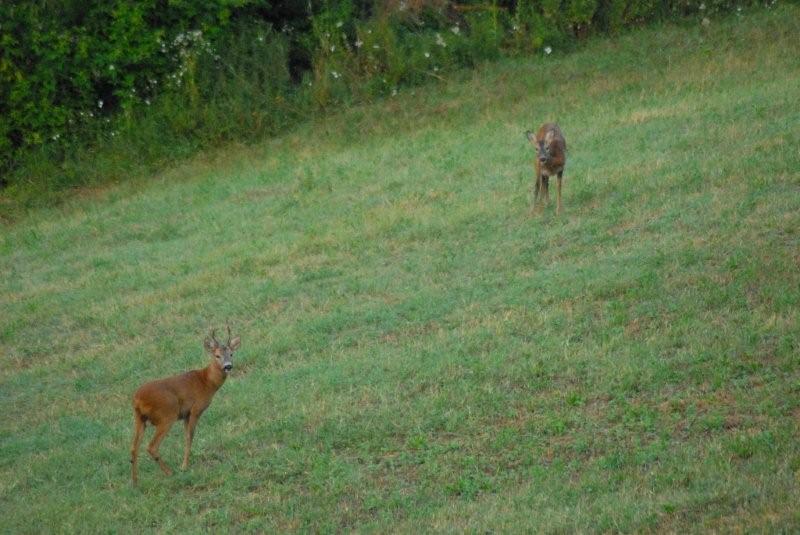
[542, 146]
[222, 353]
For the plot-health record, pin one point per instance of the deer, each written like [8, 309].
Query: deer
[551, 158]
[180, 397]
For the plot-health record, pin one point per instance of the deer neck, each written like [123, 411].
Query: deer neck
[213, 376]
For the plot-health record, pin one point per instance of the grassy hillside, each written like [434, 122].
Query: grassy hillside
[419, 353]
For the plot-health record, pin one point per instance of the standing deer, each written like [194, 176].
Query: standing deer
[183, 397]
[550, 159]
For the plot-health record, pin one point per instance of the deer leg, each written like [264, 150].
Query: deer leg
[558, 208]
[537, 192]
[138, 432]
[161, 431]
[546, 186]
[188, 427]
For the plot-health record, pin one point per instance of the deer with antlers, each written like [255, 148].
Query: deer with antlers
[181, 397]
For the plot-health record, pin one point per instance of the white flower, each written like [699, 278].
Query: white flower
[111, 67]
[359, 43]
[435, 68]
[335, 74]
[455, 29]
[147, 101]
[702, 6]
[376, 47]
[99, 103]
[394, 92]
[547, 50]
[440, 40]
[56, 136]
[339, 24]
[427, 54]
[705, 21]
[515, 28]
[260, 38]
[333, 48]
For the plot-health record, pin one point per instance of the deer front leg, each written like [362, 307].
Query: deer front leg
[546, 187]
[537, 191]
[189, 426]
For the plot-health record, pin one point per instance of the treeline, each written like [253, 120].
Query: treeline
[90, 91]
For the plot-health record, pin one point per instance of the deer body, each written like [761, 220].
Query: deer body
[180, 397]
[551, 158]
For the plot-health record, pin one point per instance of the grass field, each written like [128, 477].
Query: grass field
[419, 353]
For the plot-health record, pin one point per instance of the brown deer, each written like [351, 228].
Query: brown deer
[551, 158]
[183, 397]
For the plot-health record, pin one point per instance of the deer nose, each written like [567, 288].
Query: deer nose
[228, 367]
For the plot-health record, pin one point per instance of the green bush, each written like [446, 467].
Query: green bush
[65, 63]
[153, 81]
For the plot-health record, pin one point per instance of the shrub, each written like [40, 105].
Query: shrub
[154, 80]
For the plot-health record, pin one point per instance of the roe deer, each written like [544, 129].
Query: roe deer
[550, 159]
[183, 397]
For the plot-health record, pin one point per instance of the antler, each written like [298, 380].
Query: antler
[229, 334]
[213, 331]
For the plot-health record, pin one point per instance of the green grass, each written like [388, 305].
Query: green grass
[420, 354]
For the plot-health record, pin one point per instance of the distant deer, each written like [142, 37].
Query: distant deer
[551, 157]
[183, 397]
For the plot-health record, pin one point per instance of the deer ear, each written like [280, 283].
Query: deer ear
[210, 345]
[235, 343]
[530, 136]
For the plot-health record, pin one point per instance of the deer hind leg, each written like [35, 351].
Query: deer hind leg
[558, 208]
[138, 432]
[189, 426]
[161, 431]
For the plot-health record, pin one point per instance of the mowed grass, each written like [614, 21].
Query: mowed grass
[419, 353]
